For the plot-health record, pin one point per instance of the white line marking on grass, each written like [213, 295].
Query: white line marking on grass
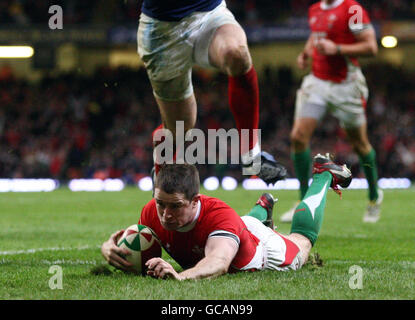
[59, 262]
[405, 264]
[70, 262]
[27, 251]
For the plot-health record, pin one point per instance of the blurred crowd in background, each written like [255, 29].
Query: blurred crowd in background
[26, 12]
[74, 126]
[99, 126]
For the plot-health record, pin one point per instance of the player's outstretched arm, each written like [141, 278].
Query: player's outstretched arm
[219, 253]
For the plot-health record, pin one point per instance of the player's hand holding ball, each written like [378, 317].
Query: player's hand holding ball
[114, 254]
[130, 249]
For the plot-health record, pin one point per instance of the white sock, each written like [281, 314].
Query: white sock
[251, 154]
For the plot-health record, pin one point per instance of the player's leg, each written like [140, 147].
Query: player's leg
[310, 108]
[228, 51]
[172, 111]
[300, 136]
[367, 156]
[222, 44]
[169, 69]
[263, 210]
[309, 214]
[274, 251]
[176, 100]
[349, 100]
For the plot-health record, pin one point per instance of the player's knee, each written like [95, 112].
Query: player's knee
[237, 60]
[299, 139]
[361, 147]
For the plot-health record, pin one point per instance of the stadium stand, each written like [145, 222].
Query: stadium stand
[74, 126]
[24, 12]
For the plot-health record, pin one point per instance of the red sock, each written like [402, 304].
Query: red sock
[155, 144]
[156, 165]
[244, 103]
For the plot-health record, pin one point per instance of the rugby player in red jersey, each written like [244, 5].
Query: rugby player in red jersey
[207, 238]
[340, 33]
[172, 37]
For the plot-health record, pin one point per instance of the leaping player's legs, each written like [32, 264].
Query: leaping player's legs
[228, 51]
[173, 111]
[168, 61]
[176, 106]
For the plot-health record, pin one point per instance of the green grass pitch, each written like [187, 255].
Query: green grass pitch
[39, 230]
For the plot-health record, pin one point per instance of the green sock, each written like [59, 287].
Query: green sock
[258, 212]
[368, 164]
[308, 216]
[302, 166]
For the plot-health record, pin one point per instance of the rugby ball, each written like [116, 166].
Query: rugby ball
[143, 244]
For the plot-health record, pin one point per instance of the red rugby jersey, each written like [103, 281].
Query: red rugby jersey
[216, 218]
[337, 22]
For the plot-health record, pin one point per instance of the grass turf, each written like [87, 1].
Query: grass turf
[67, 228]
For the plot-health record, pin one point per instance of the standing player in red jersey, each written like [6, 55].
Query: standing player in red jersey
[340, 32]
[172, 37]
[207, 238]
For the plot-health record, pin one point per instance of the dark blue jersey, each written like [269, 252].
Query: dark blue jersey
[174, 10]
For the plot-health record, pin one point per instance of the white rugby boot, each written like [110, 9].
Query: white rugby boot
[372, 214]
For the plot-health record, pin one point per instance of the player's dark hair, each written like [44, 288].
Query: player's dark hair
[179, 178]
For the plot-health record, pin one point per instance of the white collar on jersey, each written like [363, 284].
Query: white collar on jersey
[326, 6]
[191, 225]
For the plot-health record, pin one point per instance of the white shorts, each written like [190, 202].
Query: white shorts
[346, 100]
[170, 49]
[274, 251]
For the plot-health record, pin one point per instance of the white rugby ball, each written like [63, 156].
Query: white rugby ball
[143, 244]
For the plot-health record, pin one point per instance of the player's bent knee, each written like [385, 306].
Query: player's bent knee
[361, 147]
[237, 60]
[299, 140]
